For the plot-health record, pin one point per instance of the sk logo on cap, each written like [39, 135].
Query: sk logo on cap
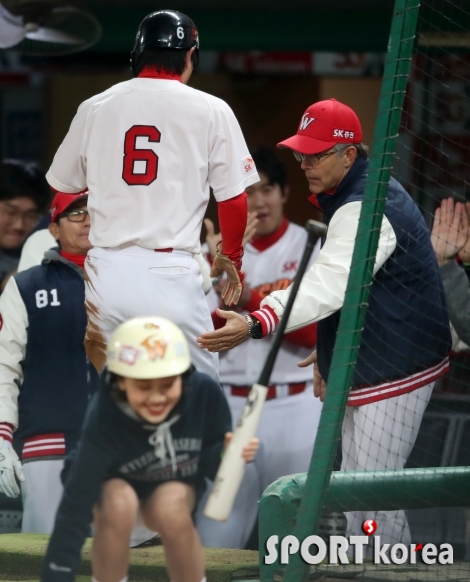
[306, 121]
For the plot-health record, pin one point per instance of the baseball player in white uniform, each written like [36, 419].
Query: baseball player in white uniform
[291, 413]
[148, 150]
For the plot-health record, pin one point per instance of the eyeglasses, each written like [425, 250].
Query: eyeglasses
[312, 159]
[74, 215]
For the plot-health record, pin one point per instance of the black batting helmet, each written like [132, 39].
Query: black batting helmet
[165, 29]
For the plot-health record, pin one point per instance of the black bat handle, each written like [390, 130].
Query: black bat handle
[315, 230]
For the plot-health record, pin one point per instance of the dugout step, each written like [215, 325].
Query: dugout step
[21, 558]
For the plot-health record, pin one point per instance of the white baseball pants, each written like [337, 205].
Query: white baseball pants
[379, 436]
[41, 492]
[287, 432]
[131, 281]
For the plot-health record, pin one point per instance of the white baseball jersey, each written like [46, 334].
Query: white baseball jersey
[148, 150]
[288, 424]
[269, 270]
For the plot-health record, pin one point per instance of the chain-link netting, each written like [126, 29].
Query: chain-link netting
[396, 420]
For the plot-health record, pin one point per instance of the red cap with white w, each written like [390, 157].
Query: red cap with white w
[322, 126]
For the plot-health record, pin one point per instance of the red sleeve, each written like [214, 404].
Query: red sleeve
[254, 301]
[305, 336]
[217, 320]
[232, 221]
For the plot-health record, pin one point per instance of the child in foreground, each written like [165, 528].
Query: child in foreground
[152, 434]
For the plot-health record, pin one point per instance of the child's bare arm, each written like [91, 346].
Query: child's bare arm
[249, 450]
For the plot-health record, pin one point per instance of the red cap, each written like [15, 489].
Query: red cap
[322, 126]
[62, 201]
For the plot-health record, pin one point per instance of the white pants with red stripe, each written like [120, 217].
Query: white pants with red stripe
[379, 436]
[41, 492]
[132, 281]
[287, 432]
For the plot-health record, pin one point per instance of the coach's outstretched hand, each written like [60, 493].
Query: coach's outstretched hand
[234, 332]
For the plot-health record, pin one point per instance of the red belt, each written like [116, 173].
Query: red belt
[168, 250]
[245, 390]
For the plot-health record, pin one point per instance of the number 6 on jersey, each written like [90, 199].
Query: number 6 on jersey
[140, 166]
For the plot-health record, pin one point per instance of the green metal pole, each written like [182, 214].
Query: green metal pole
[397, 66]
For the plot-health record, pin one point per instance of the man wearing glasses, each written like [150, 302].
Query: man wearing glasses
[406, 335]
[45, 377]
[24, 197]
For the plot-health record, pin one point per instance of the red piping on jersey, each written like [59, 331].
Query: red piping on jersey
[78, 260]
[261, 243]
[232, 220]
[149, 72]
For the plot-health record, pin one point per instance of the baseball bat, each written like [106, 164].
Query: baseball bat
[230, 473]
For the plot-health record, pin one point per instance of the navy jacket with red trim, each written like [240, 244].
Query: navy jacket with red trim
[46, 380]
[406, 330]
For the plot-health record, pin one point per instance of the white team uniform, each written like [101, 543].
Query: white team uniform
[288, 422]
[149, 150]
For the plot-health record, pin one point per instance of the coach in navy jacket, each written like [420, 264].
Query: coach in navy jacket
[406, 335]
[46, 380]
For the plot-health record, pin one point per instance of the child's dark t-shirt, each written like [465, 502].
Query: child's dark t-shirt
[186, 447]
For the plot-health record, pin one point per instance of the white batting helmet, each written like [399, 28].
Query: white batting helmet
[148, 347]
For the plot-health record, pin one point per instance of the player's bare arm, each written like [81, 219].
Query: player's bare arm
[234, 332]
